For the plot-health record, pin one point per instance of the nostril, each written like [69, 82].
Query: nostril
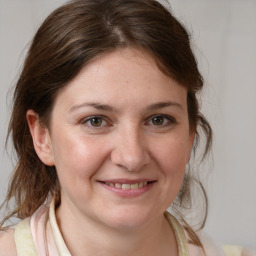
[130, 154]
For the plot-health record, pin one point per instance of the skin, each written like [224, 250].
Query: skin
[140, 133]
[7, 243]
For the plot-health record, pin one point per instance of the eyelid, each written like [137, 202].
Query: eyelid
[87, 119]
[171, 120]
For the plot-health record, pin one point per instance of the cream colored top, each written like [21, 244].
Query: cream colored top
[40, 236]
[33, 239]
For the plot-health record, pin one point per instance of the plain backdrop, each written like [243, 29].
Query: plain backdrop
[224, 40]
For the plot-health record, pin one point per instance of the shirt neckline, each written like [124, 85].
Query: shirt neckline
[63, 250]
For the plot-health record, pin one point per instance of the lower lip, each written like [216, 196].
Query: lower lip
[128, 193]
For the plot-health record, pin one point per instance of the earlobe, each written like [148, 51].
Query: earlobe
[41, 138]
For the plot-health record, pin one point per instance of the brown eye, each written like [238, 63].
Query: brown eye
[158, 120]
[95, 121]
[161, 121]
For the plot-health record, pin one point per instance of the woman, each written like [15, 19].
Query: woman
[104, 121]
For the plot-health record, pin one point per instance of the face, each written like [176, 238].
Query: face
[120, 140]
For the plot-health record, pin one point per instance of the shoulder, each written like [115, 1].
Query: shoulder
[236, 250]
[211, 249]
[7, 243]
[248, 252]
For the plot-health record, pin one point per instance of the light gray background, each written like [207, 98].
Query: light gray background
[224, 34]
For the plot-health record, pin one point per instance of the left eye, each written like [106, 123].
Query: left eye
[160, 120]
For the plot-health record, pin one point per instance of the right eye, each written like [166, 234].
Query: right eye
[95, 122]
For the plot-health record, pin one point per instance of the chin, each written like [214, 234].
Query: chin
[127, 219]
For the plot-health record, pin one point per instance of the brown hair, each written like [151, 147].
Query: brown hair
[71, 37]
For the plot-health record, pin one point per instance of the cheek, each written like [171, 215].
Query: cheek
[172, 157]
[173, 151]
[77, 156]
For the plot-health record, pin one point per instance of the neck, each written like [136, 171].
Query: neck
[84, 236]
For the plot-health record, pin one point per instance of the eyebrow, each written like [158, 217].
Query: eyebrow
[160, 105]
[92, 104]
[109, 108]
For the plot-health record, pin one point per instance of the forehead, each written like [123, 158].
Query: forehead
[123, 76]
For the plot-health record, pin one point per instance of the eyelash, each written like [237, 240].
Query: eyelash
[90, 119]
[167, 121]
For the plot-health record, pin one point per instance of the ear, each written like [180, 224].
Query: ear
[41, 138]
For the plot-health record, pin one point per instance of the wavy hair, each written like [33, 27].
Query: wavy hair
[72, 36]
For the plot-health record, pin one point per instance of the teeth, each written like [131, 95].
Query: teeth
[135, 186]
[127, 186]
[118, 185]
[141, 184]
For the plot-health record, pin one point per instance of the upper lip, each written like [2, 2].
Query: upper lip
[126, 181]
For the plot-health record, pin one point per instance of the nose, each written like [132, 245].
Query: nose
[130, 151]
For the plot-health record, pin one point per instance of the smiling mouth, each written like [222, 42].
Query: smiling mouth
[127, 186]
